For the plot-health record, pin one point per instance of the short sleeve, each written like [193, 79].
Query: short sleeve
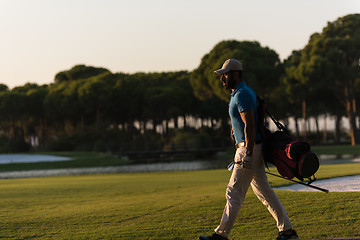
[244, 101]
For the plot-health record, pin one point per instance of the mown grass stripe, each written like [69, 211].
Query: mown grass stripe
[167, 205]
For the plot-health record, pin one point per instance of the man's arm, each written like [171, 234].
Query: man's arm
[249, 128]
[232, 134]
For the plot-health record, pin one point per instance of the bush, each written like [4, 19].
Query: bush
[197, 139]
[17, 144]
[60, 143]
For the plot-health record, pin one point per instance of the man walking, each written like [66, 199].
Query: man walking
[249, 166]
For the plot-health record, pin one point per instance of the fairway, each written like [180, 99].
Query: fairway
[167, 205]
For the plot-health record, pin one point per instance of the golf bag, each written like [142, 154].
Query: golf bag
[292, 158]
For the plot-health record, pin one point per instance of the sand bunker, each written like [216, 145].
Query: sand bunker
[340, 184]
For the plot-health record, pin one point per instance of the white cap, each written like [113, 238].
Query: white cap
[230, 64]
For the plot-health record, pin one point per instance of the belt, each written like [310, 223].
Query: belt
[242, 144]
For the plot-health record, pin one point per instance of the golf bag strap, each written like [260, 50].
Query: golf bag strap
[279, 125]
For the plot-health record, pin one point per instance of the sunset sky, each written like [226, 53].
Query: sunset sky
[39, 38]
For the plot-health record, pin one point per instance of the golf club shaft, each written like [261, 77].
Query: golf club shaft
[308, 185]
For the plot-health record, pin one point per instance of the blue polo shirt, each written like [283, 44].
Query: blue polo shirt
[242, 98]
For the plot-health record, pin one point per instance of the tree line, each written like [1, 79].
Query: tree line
[90, 108]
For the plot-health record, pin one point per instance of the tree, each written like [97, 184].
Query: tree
[62, 106]
[93, 95]
[260, 66]
[3, 88]
[79, 72]
[332, 58]
[292, 85]
[13, 106]
[36, 118]
[301, 89]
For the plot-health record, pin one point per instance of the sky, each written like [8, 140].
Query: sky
[40, 38]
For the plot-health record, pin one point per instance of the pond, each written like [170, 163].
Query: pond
[30, 158]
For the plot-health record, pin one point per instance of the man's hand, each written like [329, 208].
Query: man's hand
[246, 162]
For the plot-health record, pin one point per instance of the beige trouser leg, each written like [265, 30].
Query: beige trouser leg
[238, 185]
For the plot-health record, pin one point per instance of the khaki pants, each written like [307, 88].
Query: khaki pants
[239, 183]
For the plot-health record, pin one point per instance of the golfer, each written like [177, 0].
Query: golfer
[248, 158]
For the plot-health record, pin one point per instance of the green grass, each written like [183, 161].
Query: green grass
[337, 150]
[167, 205]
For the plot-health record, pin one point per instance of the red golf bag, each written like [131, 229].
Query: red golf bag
[292, 158]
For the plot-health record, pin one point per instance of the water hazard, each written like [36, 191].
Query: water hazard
[30, 158]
